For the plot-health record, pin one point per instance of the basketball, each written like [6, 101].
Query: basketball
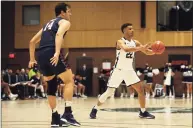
[158, 47]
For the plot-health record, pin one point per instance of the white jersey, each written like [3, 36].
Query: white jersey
[124, 60]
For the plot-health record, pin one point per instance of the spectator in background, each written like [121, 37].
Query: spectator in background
[85, 73]
[102, 83]
[123, 89]
[80, 86]
[187, 79]
[169, 81]
[6, 90]
[36, 84]
[45, 85]
[145, 71]
[149, 83]
[60, 87]
[164, 86]
[33, 72]
[8, 76]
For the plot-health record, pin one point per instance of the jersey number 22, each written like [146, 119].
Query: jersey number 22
[129, 55]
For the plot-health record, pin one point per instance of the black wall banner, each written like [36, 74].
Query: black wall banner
[178, 59]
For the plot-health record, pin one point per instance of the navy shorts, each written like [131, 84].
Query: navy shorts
[46, 68]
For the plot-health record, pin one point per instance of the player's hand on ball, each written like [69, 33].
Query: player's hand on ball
[54, 59]
[32, 63]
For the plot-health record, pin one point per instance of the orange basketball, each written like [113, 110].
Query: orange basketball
[158, 47]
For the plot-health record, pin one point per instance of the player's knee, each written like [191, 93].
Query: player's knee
[106, 94]
[52, 87]
[110, 91]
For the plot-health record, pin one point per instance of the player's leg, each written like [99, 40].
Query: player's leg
[51, 92]
[114, 81]
[143, 113]
[135, 82]
[46, 69]
[67, 78]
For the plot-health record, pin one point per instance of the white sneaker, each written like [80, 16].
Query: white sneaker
[147, 95]
[153, 95]
[183, 95]
[13, 96]
[121, 95]
[188, 95]
[83, 96]
[132, 96]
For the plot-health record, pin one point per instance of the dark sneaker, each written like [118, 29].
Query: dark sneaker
[93, 113]
[68, 118]
[64, 123]
[146, 115]
[55, 120]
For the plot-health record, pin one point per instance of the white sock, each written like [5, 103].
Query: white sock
[54, 110]
[68, 103]
[143, 110]
[96, 107]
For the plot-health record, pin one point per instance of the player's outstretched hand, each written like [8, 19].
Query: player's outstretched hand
[147, 46]
[54, 59]
[32, 63]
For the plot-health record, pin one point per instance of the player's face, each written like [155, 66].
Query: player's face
[67, 14]
[130, 31]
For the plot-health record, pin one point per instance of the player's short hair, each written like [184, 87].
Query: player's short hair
[61, 7]
[124, 26]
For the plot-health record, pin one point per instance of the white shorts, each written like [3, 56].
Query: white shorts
[118, 75]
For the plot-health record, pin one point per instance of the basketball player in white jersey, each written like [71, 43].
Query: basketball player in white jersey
[123, 70]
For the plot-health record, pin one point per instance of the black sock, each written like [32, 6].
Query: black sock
[68, 109]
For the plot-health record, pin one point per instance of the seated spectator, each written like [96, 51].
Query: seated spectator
[102, 83]
[80, 86]
[60, 87]
[6, 91]
[45, 84]
[36, 84]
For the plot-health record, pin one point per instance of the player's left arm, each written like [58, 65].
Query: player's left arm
[32, 44]
[146, 51]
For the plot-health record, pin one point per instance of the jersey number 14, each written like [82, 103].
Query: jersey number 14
[49, 25]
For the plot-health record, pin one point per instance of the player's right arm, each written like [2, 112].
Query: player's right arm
[64, 25]
[32, 44]
[121, 45]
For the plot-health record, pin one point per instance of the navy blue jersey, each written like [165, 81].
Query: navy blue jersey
[49, 33]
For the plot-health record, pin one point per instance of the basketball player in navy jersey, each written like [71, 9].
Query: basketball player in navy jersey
[52, 63]
[123, 70]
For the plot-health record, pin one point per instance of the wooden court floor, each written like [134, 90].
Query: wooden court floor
[116, 113]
